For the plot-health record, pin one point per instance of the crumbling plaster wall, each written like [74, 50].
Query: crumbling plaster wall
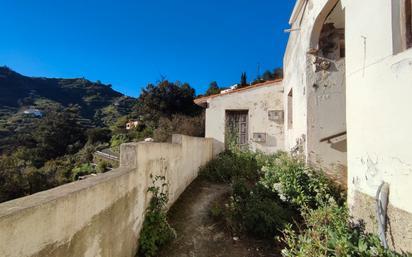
[327, 117]
[296, 65]
[258, 101]
[317, 96]
[378, 115]
[100, 216]
[327, 95]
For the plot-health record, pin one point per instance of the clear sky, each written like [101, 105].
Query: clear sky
[129, 43]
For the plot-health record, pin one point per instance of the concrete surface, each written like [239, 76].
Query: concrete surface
[100, 216]
[198, 234]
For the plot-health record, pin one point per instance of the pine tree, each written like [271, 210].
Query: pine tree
[243, 80]
[213, 89]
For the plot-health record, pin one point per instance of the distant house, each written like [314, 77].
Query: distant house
[251, 116]
[132, 124]
[33, 111]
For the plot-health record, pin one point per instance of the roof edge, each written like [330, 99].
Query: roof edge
[202, 100]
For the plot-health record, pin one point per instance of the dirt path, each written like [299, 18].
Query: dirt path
[198, 235]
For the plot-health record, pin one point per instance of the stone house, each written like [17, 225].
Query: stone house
[347, 83]
[253, 116]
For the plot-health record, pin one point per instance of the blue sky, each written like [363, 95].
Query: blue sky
[129, 43]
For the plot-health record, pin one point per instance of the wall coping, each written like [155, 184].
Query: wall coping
[41, 198]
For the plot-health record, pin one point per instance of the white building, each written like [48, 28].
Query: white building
[33, 111]
[347, 84]
[132, 124]
[252, 115]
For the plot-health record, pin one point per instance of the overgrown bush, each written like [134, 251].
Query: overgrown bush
[117, 140]
[252, 207]
[280, 193]
[98, 135]
[328, 232]
[82, 170]
[228, 165]
[179, 124]
[103, 167]
[298, 184]
[257, 210]
[156, 230]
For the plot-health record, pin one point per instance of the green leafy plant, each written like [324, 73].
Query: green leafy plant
[228, 165]
[328, 232]
[252, 207]
[82, 170]
[156, 230]
[103, 167]
[257, 210]
[298, 184]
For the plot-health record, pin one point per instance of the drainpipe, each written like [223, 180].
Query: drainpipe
[381, 210]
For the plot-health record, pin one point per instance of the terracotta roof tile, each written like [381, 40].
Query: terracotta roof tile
[203, 99]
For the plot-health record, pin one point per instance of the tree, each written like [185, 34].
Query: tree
[278, 73]
[213, 89]
[267, 75]
[59, 133]
[164, 100]
[98, 135]
[243, 80]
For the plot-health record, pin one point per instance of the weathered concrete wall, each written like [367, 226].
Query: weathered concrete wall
[318, 96]
[100, 216]
[377, 74]
[258, 102]
[326, 118]
[378, 111]
[399, 229]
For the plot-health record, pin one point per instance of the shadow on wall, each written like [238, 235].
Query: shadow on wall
[83, 218]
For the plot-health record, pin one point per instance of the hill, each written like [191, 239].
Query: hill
[98, 103]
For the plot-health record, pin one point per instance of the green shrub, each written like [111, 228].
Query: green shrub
[253, 208]
[229, 165]
[117, 140]
[156, 230]
[103, 167]
[257, 210]
[327, 232]
[137, 135]
[98, 135]
[269, 193]
[179, 124]
[217, 211]
[82, 170]
[298, 184]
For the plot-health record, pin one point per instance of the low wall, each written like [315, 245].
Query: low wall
[100, 216]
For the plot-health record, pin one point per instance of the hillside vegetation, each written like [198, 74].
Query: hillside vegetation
[50, 128]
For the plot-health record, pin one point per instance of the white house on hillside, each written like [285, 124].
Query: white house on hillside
[251, 115]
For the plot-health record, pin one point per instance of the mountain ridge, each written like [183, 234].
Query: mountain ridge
[96, 101]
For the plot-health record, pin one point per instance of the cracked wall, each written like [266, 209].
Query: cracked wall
[378, 106]
[260, 102]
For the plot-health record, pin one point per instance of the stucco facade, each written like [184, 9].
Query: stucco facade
[264, 106]
[348, 109]
[315, 88]
[379, 76]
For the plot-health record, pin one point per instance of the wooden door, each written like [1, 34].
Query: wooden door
[237, 127]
